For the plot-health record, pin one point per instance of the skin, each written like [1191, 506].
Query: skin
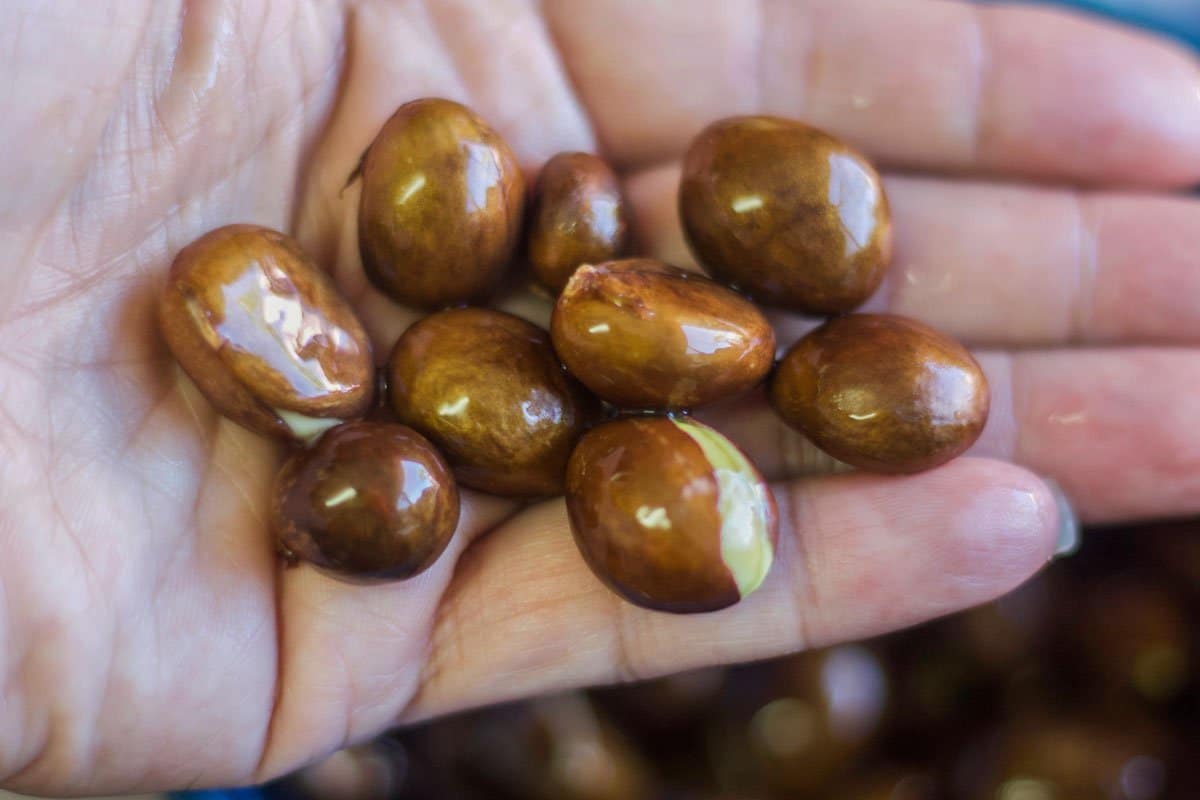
[220, 316]
[441, 203]
[367, 501]
[577, 217]
[133, 526]
[645, 335]
[642, 498]
[788, 213]
[485, 387]
[882, 393]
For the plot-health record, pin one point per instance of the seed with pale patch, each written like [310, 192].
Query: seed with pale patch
[670, 514]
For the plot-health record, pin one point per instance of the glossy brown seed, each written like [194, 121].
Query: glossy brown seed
[882, 393]
[440, 211]
[642, 334]
[786, 212]
[670, 514]
[486, 388]
[368, 500]
[577, 217]
[264, 333]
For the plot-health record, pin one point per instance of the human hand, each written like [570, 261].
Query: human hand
[148, 635]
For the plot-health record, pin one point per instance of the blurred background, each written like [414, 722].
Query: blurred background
[1083, 685]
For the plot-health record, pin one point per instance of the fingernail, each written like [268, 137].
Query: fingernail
[1070, 535]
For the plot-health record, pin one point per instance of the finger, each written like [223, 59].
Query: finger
[859, 555]
[1009, 265]
[351, 655]
[939, 85]
[1115, 428]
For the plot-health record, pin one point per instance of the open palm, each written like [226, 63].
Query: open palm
[148, 636]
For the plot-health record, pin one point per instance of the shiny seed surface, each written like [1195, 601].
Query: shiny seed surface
[577, 217]
[786, 212]
[487, 389]
[670, 515]
[645, 335]
[367, 501]
[882, 393]
[440, 211]
[264, 334]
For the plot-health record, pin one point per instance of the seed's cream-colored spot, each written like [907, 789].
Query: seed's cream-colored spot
[599, 328]
[743, 504]
[306, 428]
[455, 408]
[206, 330]
[862, 417]
[344, 495]
[747, 202]
[415, 184]
[654, 518]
